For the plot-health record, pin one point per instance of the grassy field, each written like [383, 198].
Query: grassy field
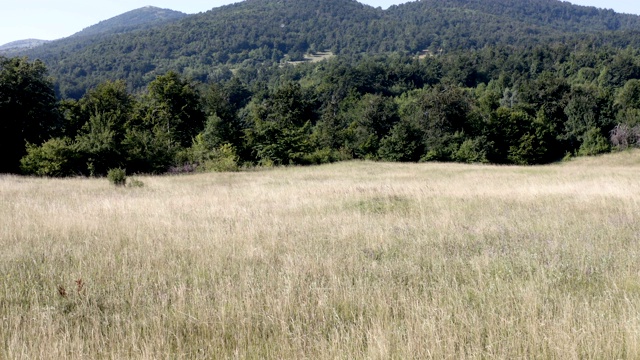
[346, 261]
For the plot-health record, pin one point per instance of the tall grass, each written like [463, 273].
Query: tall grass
[350, 260]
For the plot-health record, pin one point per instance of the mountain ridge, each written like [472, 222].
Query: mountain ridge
[133, 20]
[16, 46]
[136, 19]
[267, 32]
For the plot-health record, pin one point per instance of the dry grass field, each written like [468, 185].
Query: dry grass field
[354, 260]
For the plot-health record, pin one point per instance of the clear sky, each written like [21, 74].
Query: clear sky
[54, 19]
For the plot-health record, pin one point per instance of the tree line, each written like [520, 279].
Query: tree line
[503, 105]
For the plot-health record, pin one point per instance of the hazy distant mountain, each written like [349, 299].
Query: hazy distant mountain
[14, 46]
[133, 20]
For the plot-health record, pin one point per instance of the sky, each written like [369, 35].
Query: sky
[55, 19]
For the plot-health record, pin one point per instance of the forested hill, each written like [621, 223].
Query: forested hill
[473, 24]
[138, 19]
[268, 32]
[18, 45]
[78, 52]
[549, 14]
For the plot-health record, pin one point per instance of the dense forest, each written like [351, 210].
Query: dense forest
[131, 21]
[260, 33]
[535, 100]
[498, 105]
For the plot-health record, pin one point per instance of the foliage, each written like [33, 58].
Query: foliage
[106, 113]
[28, 109]
[135, 183]
[265, 34]
[472, 151]
[56, 158]
[594, 143]
[529, 104]
[209, 157]
[117, 177]
[282, 125]
[373, 118]
[177, 103]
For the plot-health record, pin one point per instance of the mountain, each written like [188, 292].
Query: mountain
[268, 32]
[16, 46]
[142, 18]
[473, 24]
[139, 19]
[548, 14]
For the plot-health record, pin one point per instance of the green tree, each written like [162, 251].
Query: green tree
[594, 143]
[56, 157]
[108, 110]
[28, 112]
[628, 96]
[221, 104]
[177, 102]
[404, 143]
[443, 113]
[282, 124]
[505, 130]
[148, 148]
[587, 108]
[374, 117]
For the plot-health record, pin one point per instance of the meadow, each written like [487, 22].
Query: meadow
[355, 260]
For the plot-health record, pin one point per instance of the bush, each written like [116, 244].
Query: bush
[594, 143]
[117, 177]
[404, 143]
[202, 156]
[186, 168]
[471, 151]
[624, 136]
[135, 183]
[54, 158]
[222, 159]
[324, 156]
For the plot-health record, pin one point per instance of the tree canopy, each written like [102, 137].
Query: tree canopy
[28, 109]
[508, 82]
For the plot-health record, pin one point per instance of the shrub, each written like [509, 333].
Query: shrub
[594, 143]
[222, 159]
[266, 163]
[55, 158]
[624, 136]
[201, 156]
[324, 156]
[117, 177]
[471, 151]
[135, 183]
[404, 143]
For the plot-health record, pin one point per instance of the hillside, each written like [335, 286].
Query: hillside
[264, 32]
[63, 57]
[473, 24]
[549, 14]
[20, 45]
[138, 19]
